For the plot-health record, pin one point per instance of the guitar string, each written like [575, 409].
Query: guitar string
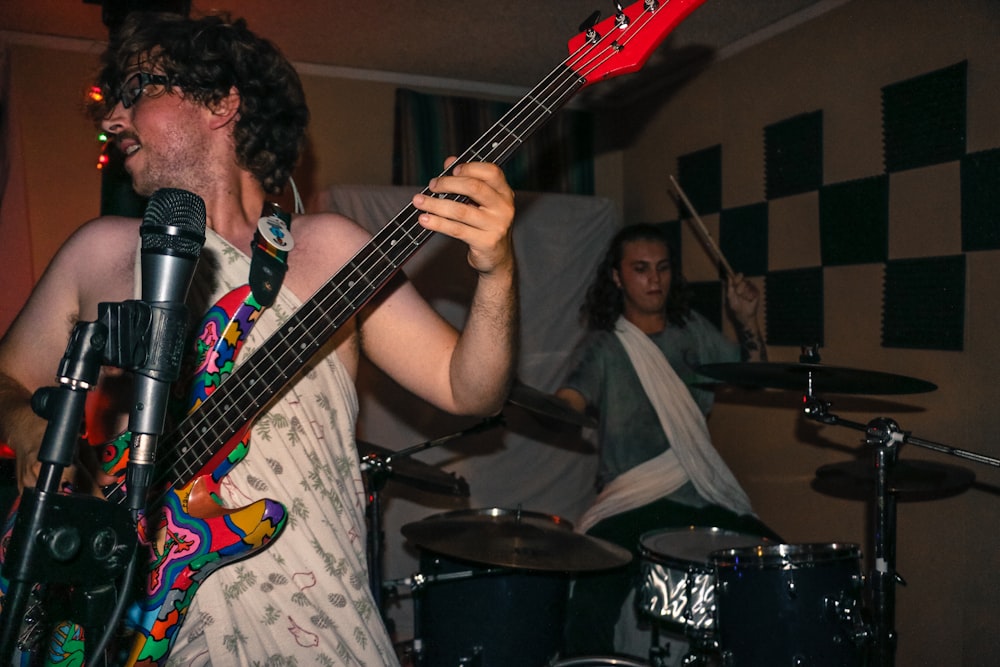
[549, 96]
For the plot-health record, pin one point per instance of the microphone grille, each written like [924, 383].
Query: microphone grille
[174, 223]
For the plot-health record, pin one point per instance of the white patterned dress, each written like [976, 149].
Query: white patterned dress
[305, 600]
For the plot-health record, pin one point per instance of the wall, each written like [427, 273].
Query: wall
[948, 550]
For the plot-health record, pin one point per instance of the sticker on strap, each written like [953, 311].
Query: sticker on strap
[276, 232]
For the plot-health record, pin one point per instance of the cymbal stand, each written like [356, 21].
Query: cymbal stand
[379, 471]
[886, 437]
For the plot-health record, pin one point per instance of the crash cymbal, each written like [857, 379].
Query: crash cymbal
[547, 405]
[823, 378]
[515, 539]
[411, 472]
[908, 480]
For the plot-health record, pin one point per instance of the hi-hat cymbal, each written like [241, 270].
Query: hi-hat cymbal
[908, 480]
[547, 405]
[515, 539]
[413, 473]
[819, 377]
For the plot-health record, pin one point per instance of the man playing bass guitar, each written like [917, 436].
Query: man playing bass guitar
[204, 105]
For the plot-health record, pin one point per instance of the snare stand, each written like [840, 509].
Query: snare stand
[885, 436]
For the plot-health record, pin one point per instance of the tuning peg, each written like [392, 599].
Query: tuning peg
[591, 21]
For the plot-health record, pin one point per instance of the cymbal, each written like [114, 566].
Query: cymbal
[908, 480]
[547, 405]
[414, 473]
[833, 379]
[515, 539]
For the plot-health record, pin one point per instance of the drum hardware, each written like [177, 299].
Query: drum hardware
[887, 486]
[885, 437]
[379, 465]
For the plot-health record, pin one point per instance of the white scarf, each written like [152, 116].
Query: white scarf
[691, 455]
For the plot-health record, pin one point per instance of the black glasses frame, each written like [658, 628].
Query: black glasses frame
[131, 90]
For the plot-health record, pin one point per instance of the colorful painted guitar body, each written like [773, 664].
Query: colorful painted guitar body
[194, 535]
[188, 534]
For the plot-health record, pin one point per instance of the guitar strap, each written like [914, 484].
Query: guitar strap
[269, 258]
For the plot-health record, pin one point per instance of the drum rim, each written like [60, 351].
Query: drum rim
[784, 556]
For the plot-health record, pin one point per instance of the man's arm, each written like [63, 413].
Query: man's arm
[468, 372]
[91, 266]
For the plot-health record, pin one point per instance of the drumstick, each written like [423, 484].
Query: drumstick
[704, 230]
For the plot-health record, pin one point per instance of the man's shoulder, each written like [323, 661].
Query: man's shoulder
[102, 239]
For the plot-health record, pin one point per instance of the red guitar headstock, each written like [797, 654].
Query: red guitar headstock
[622, 44]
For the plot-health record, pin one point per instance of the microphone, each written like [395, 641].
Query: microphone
[172, 233]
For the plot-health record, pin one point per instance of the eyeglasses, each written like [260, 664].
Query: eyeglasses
[131, 90]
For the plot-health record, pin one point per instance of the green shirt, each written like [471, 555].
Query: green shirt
[629, 431]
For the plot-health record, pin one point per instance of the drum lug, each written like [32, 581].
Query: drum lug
[846, 612]
[475, 661]
[790, 587]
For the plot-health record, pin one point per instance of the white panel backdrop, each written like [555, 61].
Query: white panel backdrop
[529, 462]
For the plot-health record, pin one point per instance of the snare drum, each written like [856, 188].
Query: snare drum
[677, 586]
[790, 604]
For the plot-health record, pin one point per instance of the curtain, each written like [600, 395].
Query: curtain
[428, 128]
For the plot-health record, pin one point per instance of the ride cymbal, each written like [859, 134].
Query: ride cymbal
[514, 539]
[819, 378]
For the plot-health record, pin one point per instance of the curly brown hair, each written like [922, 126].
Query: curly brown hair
[604, 301]
[205, 58]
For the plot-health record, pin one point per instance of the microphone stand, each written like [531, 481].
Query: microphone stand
[886, 437]
[57, 538]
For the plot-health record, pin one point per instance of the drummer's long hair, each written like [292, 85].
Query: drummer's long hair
[604, 301]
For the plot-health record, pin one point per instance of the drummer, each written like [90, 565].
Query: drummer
[657, 467]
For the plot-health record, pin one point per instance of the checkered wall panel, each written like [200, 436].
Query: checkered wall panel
[881, 219]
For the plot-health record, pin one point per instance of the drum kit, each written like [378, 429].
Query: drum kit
[493, 582]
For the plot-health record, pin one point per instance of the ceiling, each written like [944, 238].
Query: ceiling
[503, 47]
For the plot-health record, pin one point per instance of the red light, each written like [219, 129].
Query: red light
[95, 94]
